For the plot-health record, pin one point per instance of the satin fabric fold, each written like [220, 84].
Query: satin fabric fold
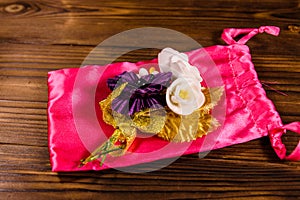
[275, 138]
[229, 34]
[249, 113]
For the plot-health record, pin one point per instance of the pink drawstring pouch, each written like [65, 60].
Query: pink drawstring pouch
[77, 125]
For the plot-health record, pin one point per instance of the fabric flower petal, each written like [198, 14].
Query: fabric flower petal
[140, 93]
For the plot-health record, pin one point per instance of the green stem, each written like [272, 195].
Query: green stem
[101, 151]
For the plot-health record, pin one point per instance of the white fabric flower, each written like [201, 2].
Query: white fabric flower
[170, 60]
[184, 96]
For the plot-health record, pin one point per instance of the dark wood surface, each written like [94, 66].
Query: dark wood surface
[44, 35]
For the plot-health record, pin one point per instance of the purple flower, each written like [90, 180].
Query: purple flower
[149, 91]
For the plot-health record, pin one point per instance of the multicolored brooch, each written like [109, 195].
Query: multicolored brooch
[170, 102]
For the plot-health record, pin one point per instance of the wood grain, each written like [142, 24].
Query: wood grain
[43, 35]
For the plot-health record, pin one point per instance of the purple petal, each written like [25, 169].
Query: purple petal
[116, 81]
[140, 93]
[162, 79]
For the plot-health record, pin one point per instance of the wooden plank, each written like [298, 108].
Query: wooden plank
[43, 35]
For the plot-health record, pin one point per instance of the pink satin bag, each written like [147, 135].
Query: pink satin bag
[74, 133]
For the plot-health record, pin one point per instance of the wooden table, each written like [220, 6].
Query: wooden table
[44, 35]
